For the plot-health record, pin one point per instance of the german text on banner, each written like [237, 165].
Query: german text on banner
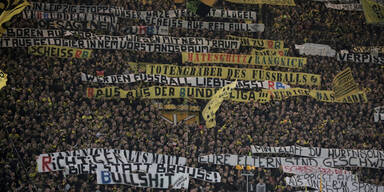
[360, 58]
[90, 168]
[102, 44]
[368, 49]
[345, 7]
[134, 14]
[240, 95]
[330, 183]
[211, 26]
[145, 180]
[214, 104]
[262, 43]
[320, 95]
[181, 81]
[270, 52]
[291, 78]
[329, 96]
[319, 152]
[3, 79]
[58, 160]
[168, 92]
[50, 33]
[68, 8]
[269, 2]
[306, 169]
[374, 12]
[58, 33]
[315, 49]
[69, 16]
[59, 51]
[10, 9]
[276, 162]
[344, 85]
[262, 60]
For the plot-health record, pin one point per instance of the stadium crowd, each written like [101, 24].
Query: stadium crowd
[44, 107]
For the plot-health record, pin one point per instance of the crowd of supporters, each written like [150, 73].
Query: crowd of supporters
[44, 107]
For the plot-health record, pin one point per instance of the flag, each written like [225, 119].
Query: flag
[3, 79]
[344, 85]
[10, 8]
[214, 104]
[374, 12]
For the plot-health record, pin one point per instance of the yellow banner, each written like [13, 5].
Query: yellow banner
[319, 95]
[10, 9]
[262, 60]
[292, 78]
[3, 79]
[368, 49]
[238, 95]
[343, 84]
[168, 92]
[269, 2]
[59, 51]
[270, 52]
[374, 12]
[209, 2]
[328, 96]
[261, 43]
[209, 111]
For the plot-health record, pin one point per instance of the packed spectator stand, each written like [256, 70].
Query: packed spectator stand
[45, 107]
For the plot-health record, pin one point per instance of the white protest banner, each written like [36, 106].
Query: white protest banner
[133, 14]
[101, 26]
[152, 168]
[67, 8]
[179, 13]
[38, 15]
[306, 169]
[331, 184]
[146, 30]
[57, 161]
[315, 49]
[214, 43]
[359, 58]
[46, 33]
[319, 152]
[378, 114]
[157, 181]
[212, 26]
[52, 33]
[102, 44]
[182, 81]
[276, 162]
[345, 7]
[81, 25]
[327, 177]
